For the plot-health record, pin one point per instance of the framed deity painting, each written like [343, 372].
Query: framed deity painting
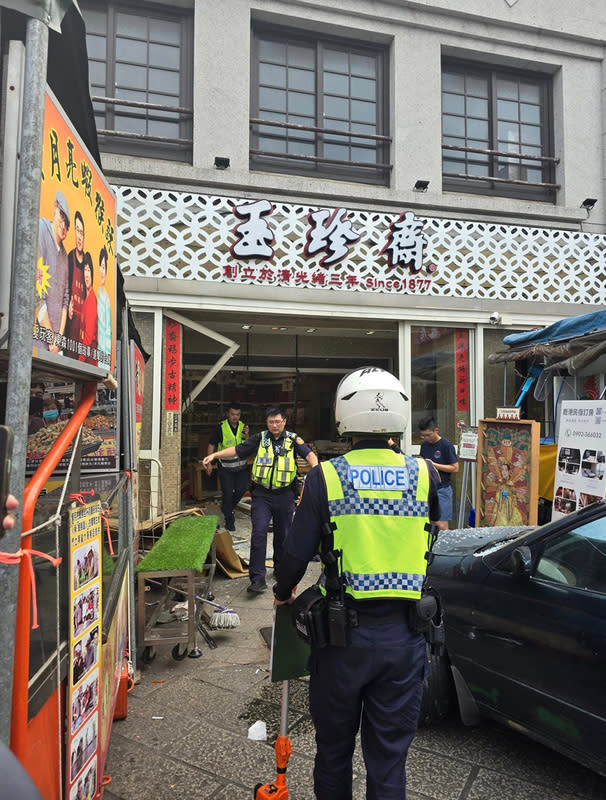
[507, 472]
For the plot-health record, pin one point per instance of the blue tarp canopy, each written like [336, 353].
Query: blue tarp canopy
[571, 346]
[568, 328]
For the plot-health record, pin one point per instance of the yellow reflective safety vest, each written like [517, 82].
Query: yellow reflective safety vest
[228, 439]
[378, 501]
[276, 475]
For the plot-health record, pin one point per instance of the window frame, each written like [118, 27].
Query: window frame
[488, 186]
[138, 145]
[285, 165]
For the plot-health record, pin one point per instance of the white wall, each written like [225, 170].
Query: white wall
[544, 33]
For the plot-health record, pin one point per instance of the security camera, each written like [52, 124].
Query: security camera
[494, 318]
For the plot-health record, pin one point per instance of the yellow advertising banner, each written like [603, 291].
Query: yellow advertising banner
[75, 317]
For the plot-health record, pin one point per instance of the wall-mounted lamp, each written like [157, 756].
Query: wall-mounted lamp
[588, 203]
[310, 330]
[246, 327]
[369, 333]
[421, 186]
[221, 162]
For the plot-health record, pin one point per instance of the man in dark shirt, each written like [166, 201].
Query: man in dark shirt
[274, 475]
[233, 472]
[441, 453]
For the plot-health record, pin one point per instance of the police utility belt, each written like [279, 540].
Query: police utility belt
[325, 619]
[278, 490]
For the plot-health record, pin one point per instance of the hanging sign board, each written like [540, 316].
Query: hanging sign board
[100, 444]
[75, 317]
[581, 459]
[468, 443]
[82, 771]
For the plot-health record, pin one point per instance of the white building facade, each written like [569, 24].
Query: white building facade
[311, 188]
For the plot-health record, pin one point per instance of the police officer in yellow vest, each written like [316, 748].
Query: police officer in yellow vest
[233, 472]
[274, 476]
[377, 503]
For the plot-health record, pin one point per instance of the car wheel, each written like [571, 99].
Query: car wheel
[438, 690]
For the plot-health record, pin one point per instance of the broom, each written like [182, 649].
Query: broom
[222, 617]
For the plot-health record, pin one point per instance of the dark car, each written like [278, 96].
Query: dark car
[524, 612]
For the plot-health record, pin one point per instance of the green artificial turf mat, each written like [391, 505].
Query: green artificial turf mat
[183, 545]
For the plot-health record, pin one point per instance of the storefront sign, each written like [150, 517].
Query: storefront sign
[458, 260]
[75, 316]
[330, 238]
[84, 679]
[172, 365]
[581, 459]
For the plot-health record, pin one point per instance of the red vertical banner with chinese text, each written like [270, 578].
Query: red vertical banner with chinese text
[462, 370]
[137, 378]
[172, 365]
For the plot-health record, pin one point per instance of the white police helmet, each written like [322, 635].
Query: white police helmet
[371, 400]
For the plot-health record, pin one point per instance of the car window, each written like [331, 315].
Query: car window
[576, 558]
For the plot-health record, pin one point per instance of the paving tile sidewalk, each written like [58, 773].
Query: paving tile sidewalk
[186, 733]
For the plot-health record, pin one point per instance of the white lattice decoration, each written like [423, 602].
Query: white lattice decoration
[187, 236]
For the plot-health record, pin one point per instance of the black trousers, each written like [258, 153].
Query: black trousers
[376, 683]
[234, 484]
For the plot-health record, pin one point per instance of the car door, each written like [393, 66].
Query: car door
[539, 645]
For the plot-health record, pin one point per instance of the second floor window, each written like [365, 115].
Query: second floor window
[327, 102]
[140, 75]
[497, 132]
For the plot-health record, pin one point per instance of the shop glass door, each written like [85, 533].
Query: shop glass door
[441, 385]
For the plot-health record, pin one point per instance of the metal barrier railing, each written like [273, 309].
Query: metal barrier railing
[151, 505]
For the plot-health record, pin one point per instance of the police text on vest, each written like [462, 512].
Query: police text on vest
[378, 477]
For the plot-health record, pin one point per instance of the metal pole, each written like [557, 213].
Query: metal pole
[127, 517]
[20, 335]
[463, 500]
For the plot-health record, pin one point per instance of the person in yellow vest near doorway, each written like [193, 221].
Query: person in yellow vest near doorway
[233, 472]
[274, 476]
[368, 512]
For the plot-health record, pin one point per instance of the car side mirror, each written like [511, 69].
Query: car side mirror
[521, 562]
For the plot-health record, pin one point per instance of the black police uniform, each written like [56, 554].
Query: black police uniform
[376, 682]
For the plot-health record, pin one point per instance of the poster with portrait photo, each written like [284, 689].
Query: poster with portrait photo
[84, 700]
[85, 567]
[85, 655]
[86, 786]
[85, 609]
[74, 322]
[507, 473]
[83, 746]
